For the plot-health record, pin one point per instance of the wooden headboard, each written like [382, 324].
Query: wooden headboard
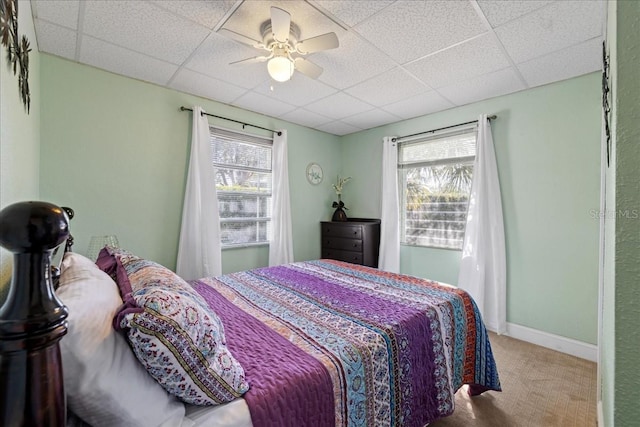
[32, 319]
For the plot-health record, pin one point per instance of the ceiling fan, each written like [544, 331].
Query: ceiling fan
[280, 37]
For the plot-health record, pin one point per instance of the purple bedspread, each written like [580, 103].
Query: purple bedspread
[328, 343]
[280, 374]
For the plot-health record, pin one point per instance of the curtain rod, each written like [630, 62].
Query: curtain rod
[232, 120]
[436, 130]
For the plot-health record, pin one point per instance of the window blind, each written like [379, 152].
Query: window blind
[435, 173]
[243, 185]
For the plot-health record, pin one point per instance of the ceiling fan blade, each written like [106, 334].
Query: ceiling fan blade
[318, 43]
[250, 60]
[307, 68]
[280, 24]
[242, 39]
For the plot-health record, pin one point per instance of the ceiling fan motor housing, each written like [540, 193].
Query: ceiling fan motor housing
[267, 35]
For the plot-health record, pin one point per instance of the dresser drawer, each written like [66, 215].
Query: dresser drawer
[347, 256]
[342, 230]
[342, 243]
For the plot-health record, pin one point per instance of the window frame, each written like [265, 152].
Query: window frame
[252, 139]
[404, 167]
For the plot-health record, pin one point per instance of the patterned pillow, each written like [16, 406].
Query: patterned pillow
[172, 331]
[104, 382]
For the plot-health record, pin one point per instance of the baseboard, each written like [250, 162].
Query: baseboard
[600, 414]
[554, 342]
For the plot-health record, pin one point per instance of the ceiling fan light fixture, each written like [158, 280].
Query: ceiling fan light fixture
[280, 68]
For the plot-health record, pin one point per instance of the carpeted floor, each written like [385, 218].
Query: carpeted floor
[541, 388]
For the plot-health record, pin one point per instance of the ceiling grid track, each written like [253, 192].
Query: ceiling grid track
[80, 31]
[495, 37]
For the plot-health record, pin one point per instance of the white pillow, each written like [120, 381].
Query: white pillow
[104, 382]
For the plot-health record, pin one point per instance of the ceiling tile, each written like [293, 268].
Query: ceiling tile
[198, 84]
[419, 105]
[206, 13]
[163, 35]
[300, 90]
[64, 13]
[263, 104]
[407, 30]
[387, 88]
[55, 39]
[483, 87]
[571, 62]
[305, 118]
[499, 12]
[354, 61]
[339, 105]
[122, 61]
[217, 52]
[462, 62]
[352, 12]
[552, 28]
[391, 53]
[338, 128]
[370, 119]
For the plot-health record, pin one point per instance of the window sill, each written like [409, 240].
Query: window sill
[245, 245]
[430, 247]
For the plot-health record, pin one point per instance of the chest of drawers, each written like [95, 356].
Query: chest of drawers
[356, 241]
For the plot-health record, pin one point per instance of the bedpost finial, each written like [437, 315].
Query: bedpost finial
[32, 318]
[29, 227]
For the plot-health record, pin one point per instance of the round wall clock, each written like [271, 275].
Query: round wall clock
[314, 173]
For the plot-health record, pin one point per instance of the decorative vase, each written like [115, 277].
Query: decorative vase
[339, 214]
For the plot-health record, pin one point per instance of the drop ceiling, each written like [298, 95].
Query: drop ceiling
[396, 59]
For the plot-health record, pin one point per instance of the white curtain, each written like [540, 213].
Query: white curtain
[483, 270]
[390, 218]
[199, 250]
[281, 246]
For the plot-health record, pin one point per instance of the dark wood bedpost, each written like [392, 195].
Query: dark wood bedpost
[32, 319]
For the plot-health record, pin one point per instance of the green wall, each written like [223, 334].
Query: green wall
[547, 143]
[622, 294]
[19, 134]
[116, 151]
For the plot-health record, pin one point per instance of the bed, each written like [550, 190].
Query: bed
[313, 343]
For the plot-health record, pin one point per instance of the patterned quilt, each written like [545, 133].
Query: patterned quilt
[327, 343]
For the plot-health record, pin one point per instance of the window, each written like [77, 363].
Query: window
[435, 175]
[243, 185]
